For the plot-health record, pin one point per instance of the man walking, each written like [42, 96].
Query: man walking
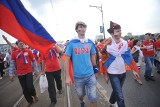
[119, 55]
[22, 59]
[148, 53]
[82, 53]
[51, 66]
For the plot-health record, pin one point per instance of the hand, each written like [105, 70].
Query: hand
[68, 81]
[136, 75]
[106, 78]
[11, 78]
[36, 74]
[43, 73]
[142, 59]
[108, 41]
[96, 75]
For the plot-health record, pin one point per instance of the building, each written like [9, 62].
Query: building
[129, 34]
[4, 48]
[99, 37]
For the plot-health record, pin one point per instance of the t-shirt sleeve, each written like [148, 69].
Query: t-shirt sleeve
[93, 50]
[69, 50]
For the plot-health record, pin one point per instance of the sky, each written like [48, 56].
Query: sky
[59, 16]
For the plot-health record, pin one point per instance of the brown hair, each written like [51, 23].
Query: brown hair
[80, 23]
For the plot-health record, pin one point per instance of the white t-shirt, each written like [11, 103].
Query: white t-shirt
[118, 65]
[140, 56]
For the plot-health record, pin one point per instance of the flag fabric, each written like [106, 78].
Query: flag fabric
[113, 50]
[128, 59]
[19, 23]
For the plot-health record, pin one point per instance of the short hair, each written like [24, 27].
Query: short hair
[135, 42]
[131, 38]
[80, 23]
[101, 40]
[149, 34]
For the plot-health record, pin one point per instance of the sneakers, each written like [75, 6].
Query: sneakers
[113, 105]
[151, 78]
[82, 104]
[52, 104]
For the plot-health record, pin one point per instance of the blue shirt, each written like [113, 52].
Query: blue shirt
[81, 58]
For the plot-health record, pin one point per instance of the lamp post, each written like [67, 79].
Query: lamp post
[101, 10]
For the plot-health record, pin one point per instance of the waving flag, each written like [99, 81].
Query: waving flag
[19, 23]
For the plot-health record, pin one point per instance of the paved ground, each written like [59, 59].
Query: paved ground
[9, 91]
[146, 95]
[61, 99]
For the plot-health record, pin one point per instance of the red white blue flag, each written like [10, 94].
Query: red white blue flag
[19, 23]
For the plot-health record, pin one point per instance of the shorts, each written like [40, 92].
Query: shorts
[87, 84]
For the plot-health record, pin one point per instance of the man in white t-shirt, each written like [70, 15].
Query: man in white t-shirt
[116, 70]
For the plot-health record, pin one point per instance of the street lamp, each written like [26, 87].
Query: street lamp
[100, 8]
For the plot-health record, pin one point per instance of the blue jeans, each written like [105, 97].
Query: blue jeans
[149, 65]
[86, 84]
[117, 81]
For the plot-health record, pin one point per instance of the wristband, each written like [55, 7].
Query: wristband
[96, 69]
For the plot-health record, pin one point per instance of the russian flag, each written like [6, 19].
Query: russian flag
[19, 23]
[128, 59]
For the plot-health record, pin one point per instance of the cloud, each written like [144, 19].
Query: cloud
[136, 16]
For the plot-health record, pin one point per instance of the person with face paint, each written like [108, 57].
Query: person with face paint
[22, 61]
[82, 53]
[119, 55]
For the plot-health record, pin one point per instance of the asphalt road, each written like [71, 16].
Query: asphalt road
[146, 95]
[10, 92]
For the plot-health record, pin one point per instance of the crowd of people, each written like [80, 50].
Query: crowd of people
[110, 57]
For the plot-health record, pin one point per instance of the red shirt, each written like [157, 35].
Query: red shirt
[23, 66]
[15, 48]
[150, 48]
[100, 47]
[157, 44]
[51, 61]
[130, 44]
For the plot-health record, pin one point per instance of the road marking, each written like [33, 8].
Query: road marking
[102, 92]
[20, 99]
